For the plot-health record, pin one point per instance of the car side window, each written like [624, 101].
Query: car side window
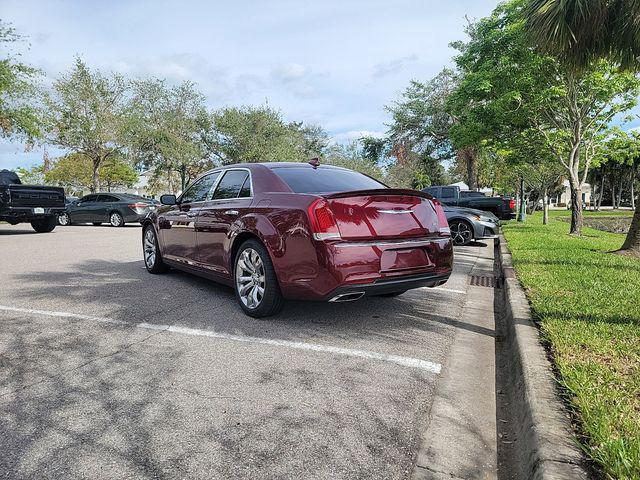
[245, 191]
[199, 191]
[432, 191]
[107, 198]
[448, 192]
[88, 198]
[231, 184]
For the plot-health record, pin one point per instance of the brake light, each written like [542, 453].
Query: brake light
[443, 224]
[323, 223]
[512, 204]
[138, 206]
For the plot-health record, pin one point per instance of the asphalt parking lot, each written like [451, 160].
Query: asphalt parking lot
[109, 372]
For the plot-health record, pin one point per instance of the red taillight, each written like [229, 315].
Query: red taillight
[512, 204]
[443, 224]
[140, 206]
[323, 223]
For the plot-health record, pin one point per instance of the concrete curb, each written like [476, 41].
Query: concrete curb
[544, 447]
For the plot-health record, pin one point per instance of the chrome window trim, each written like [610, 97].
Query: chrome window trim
[225, 170]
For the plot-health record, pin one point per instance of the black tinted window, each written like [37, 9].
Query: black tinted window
[199, 191]
[108, 198]
[231, 184]
[89, 198]
[431, 191]
[448, 192]
[325, 180]
[245, 191]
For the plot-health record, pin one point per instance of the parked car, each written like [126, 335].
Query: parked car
[501, 207]
[300, 231]
[469, 224]
[34, 204]
[113, 208]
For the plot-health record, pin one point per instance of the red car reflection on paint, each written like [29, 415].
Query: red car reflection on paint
[277, 231]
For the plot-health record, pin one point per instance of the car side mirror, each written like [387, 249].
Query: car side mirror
[168, 199]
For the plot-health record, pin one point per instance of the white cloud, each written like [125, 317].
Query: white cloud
[352, 135]
[393, 66]
[289, 72]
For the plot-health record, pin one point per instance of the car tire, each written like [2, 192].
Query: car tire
[116, 220]
[253, 271]
[96, 224]
[45, 225]
[64, 220]
[461, 232]
[151, 252]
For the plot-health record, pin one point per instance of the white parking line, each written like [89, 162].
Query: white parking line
[397, 359]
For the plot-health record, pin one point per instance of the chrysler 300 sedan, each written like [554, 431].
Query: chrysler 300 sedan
[300, 231]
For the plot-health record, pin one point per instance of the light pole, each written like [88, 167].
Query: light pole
[522, 214]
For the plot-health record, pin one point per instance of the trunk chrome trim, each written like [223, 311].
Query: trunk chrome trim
[386, 243]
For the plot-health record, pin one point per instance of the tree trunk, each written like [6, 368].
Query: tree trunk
[183, 176]
[633, 193]
[576, 207]
[632, 242]
[95, 180]
[469, 157]
[613, 195]
[545, 207]
[620, 185]
[600, 193]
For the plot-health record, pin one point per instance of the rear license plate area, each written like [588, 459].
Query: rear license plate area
[38, 210]
[404, 259]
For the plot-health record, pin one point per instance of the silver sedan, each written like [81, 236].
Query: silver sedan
[469, 224]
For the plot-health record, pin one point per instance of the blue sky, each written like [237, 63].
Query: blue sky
[335, 63]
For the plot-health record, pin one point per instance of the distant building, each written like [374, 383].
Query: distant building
[564, 199]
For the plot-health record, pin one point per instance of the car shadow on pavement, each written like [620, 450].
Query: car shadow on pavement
[125, 291]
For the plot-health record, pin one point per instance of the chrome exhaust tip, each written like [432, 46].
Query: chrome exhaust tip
[347, 297]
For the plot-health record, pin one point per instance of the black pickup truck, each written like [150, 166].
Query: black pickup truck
[33, 204]
[501, 207]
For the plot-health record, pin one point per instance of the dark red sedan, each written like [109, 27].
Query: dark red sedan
[277, 231]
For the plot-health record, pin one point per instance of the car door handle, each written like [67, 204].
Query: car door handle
[231, 212]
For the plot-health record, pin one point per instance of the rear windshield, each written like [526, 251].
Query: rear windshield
[325, 180]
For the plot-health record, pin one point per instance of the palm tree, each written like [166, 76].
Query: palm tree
[580, 31]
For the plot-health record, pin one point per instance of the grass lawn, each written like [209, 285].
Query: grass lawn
[588, 305]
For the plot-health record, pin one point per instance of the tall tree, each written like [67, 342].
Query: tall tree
[581, 31]
[168, 129]
[507, 88]
[19, 114]
[260, 134]
[420, 129]
[85, 114]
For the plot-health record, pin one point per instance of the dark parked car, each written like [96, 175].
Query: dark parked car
[469, 224]
[35, 204]
[501, 207]
[113, 208]
[300, 231]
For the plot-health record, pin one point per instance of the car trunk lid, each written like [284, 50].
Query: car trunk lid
[385, 214]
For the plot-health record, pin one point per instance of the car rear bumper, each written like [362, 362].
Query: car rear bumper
[386, 285]
[27, 214]
[485, 230]
[372, 267]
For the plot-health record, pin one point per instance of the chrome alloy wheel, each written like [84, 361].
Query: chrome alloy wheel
[250, 281]
[63, 219]
[461, 233]
[115, 219]
[149, 248]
